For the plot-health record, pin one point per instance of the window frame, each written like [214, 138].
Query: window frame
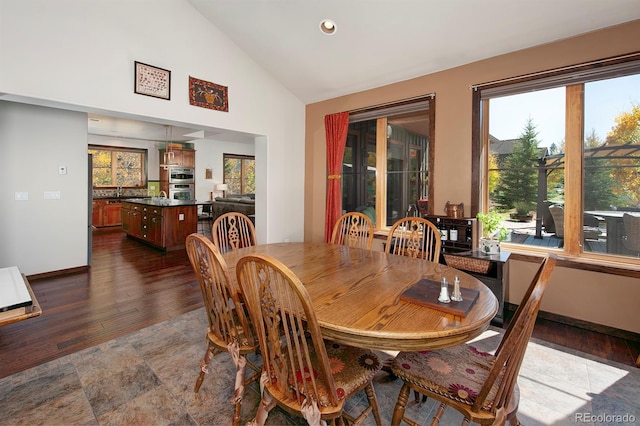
[380, 113]
[243, 173]
[573, 79]
[116, 149]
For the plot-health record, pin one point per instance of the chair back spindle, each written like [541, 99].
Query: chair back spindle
[353, 229]
[287, 327]
[414, 237]
[233, 231]
[304, 375]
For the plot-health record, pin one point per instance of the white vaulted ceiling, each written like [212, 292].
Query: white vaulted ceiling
[379, 42]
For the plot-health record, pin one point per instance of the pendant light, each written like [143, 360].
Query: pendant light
[169, 156]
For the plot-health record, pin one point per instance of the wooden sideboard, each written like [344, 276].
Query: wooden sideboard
[492, 270]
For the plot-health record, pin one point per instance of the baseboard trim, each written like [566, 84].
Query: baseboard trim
[58, 273]
[586, 325]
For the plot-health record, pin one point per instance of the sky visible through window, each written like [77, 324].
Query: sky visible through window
[604, 101]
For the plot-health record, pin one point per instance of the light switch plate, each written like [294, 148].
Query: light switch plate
[22, 196]
[51, 195]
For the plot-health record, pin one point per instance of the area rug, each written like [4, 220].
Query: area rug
[147, 378]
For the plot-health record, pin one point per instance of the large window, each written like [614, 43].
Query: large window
[387, 160]
[562, 158]
[118, 167]
[240, 174]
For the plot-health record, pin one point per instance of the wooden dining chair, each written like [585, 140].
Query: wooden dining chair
[353, 229]
[232, 231]
[229, 326]
[479, 385]
[303, 374]
[414, 237]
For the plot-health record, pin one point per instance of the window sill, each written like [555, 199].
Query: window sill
[586, 262]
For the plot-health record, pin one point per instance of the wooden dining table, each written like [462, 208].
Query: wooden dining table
[356, 295]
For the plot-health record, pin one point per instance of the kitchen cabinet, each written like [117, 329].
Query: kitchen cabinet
[112, 213]
[106, 212]
[96, 213]
[165, 227]
[181, 157]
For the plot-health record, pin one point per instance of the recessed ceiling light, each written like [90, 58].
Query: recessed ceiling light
[327, 26]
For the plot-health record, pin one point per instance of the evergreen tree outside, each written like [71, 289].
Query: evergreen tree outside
[519, 178]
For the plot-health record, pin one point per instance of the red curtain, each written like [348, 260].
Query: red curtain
[336, 127]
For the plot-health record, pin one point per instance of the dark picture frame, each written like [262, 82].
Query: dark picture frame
[152, 81]
[208, 95]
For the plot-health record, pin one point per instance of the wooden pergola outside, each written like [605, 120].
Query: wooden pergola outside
[548, 163]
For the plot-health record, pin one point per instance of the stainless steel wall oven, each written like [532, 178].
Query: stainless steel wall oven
[182, 175]
[182, 191]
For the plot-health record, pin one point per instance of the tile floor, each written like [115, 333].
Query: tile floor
[147, 378]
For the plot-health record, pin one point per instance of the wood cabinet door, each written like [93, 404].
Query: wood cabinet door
[126, 212]
[182, 157]
[188, 158]
[96, 214]
[155, 230]
[135, 223]
[112, 214]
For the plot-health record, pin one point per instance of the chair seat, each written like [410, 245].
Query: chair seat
[352, 368]
[456, 373]
[245, 345]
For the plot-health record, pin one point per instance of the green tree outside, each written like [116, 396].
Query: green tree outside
[518, 182]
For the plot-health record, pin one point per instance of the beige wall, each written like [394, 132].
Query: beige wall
[598, 298]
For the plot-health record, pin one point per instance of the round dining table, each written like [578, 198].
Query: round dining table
[356, 295]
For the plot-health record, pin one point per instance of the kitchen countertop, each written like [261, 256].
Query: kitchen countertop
[164, 202]
[124, 197]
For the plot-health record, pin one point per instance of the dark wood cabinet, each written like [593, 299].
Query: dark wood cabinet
[112, 213]
[456, 234]
[165, 227]
[492, 270]
[181, 158]
[106, 212]
[96, 213]
[461, 252]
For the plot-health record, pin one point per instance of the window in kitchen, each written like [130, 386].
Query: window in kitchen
[118, 166]
[562, 158]
[387, 159]
[240, 174]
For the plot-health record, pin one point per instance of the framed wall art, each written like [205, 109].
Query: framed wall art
[208, 95]
[152, 81]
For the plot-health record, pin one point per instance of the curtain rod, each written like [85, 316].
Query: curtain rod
[393, 103]
[554, 70]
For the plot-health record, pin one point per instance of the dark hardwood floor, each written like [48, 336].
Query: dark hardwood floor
[131, 286]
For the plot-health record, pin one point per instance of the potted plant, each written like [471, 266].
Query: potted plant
[492, 232]
[523, 211]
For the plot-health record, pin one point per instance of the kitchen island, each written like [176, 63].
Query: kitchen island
[162, 223]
